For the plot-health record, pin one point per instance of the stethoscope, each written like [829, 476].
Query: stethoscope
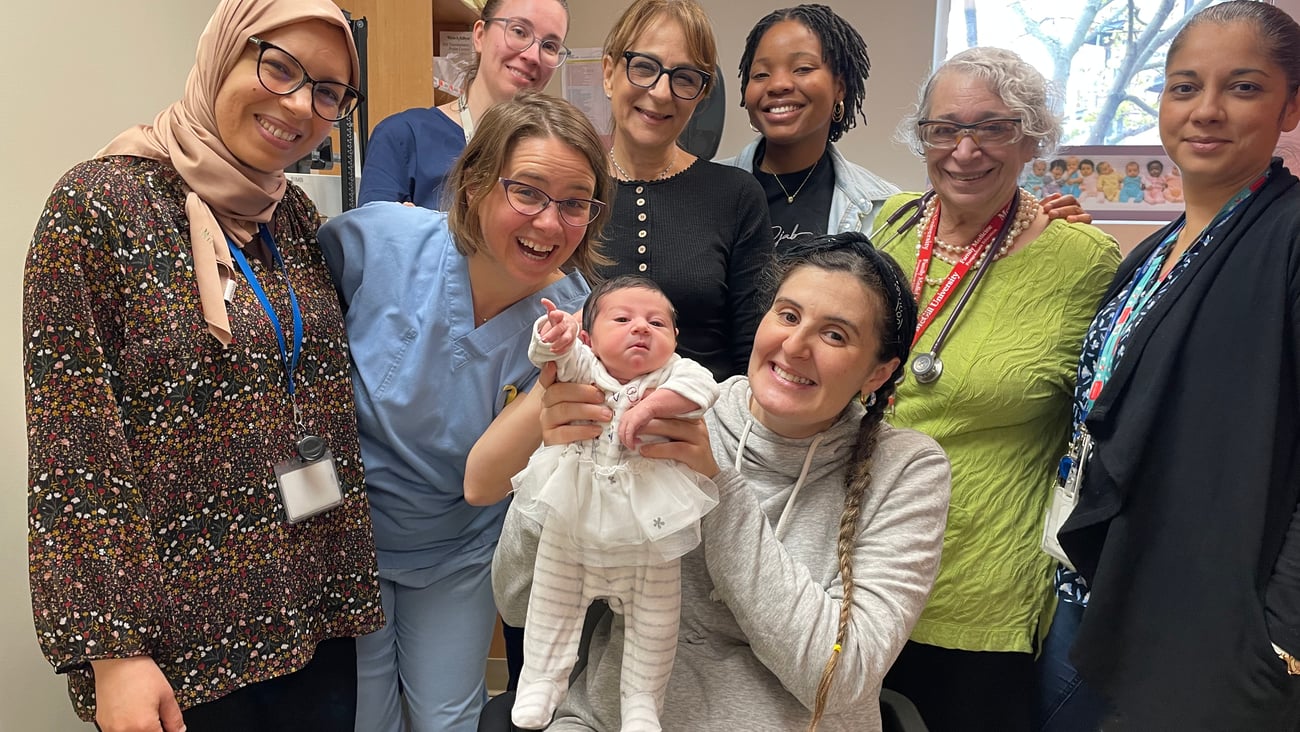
[913, 210]
[927, 367]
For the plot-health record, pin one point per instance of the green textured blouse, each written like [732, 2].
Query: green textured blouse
[1001, 410]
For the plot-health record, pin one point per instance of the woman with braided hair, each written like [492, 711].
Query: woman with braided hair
[825, 541]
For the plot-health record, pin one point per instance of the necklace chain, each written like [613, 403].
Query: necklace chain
[789, 197]
[663, 174]
[952, 253]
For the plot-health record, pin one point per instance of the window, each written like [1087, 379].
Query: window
[1106, 57]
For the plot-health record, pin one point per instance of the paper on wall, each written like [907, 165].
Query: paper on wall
[582, 83]
[457, 52]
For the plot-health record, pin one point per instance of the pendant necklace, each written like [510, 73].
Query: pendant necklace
[663, 174]
[789, 197]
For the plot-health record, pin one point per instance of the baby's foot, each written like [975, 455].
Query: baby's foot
[640, 713]
[535, 703]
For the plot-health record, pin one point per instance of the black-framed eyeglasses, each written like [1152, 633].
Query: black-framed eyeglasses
[520, 37]
[531, 200]
[685, 82]
[942, 134]
[282, 74]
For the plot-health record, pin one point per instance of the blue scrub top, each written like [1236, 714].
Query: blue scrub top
[427, 382]
[408, 157]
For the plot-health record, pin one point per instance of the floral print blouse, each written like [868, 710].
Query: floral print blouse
[155, 526]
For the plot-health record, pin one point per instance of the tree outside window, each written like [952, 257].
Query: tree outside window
[1105, 57]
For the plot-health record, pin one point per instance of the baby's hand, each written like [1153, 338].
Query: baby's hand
[560, 329]
[632, 422]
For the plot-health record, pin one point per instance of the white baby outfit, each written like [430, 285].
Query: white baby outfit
[614, 526]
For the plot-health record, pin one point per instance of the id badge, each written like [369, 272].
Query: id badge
[308, 482]
[1065, 495]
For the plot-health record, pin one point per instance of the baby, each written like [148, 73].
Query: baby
[1130, 189]
[1174, 185]
[1073, 184]
[1153, 183]
[1033, 181]
[614, 524]
[1088, 183]
[1055, 180]
[1108, 180]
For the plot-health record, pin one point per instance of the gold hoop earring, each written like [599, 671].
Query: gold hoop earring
[837, 112]
[867, 400]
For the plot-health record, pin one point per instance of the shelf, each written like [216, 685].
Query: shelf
[401, 36]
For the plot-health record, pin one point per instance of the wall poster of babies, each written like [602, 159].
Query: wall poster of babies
[1128, 183]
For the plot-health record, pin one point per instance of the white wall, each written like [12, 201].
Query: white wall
[78, 72]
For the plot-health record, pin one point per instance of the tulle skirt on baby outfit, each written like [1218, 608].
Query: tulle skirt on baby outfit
[654, 506]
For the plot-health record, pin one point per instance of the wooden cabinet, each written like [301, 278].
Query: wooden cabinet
[401, 42]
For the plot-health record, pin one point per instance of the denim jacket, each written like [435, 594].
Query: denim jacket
[858, 192]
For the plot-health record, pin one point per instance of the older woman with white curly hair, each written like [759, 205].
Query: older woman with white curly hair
[1005, 297]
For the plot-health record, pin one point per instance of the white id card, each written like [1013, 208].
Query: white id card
[1065, 496]
[308, 488]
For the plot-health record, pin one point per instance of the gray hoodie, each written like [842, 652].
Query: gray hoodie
[761, 595]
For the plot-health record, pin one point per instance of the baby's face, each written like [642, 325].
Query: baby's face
[1058, 169]
[1071, 163]
[1131, 169]
[632, 333]
[1155, 167]
[1085, 168]
[1104, 168]
[1040, 167]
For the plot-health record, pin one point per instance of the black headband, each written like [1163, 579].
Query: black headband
[897, 293]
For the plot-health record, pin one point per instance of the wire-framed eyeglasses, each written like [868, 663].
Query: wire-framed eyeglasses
[520, 37]
[282, 74]
[942, 134]
[531, 201]
[685, 82]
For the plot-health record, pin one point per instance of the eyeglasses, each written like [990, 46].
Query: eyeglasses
[530, 201]
[939, 134]
[685, 82]
[282, 74]
[520, 37]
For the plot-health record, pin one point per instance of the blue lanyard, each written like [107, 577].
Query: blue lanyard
[289, 359]
[1144, 285]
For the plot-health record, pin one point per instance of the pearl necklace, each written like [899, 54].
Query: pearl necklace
[664, 174]
[1026, 212]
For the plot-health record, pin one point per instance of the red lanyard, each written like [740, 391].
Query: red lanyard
[959, 270]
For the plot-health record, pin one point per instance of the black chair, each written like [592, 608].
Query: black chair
[899, 714]
[495, 716]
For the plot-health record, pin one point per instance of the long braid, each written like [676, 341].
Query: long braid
[886, 284]
[856, 481]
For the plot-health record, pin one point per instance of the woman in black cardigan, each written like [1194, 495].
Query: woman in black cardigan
[1186, 527]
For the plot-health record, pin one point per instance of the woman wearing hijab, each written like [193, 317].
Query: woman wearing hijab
[200, 544]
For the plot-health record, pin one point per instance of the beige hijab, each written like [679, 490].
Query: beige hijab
[226, 197]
